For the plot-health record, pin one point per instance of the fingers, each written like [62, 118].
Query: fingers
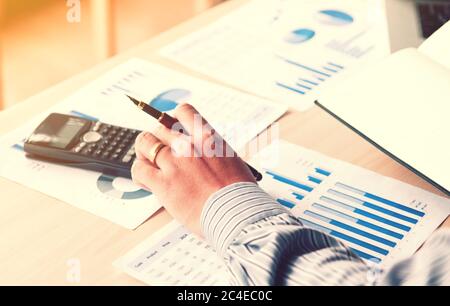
[202, 134]
[166, 135]
[145, 174]
[190, 119]
[144, 144]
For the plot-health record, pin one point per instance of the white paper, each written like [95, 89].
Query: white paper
[117, 199]
[437, 47]
[402, 104]
[175, 257]
[257, 49]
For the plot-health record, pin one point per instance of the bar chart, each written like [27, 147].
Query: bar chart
[341, 201]
[372, 235]
[307, 77]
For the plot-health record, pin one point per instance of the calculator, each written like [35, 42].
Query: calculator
[82, 143]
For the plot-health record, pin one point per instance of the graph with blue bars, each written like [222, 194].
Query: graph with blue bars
[370, 224]
[306, 77]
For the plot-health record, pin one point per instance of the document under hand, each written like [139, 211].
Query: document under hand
[381, 219]
[237, 116]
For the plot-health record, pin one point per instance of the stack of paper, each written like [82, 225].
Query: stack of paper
[237, 116]
[286, 50]
[379, 218]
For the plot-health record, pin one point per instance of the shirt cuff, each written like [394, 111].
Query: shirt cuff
[231, 209]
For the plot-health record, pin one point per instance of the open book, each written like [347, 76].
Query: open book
[402, 105]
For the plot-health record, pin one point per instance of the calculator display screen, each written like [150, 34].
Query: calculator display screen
[58, 131]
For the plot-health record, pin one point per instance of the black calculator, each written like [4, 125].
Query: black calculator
[82, 143]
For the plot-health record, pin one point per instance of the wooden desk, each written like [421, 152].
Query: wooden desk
[39, 236]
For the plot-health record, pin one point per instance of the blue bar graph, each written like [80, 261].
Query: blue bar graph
[289, 88]
[303, 86]
[351, 229]
[309, 82]
[298, 196]
[336, 65]
[373, 206]
[322, 171]
[345, 237]
[314, 179]
[366, 256]
[330, 70]
[371, 225]
[382, 200]
[364, 213]
[307, 68]
[290, 182]
[286, 203]
[358, 221]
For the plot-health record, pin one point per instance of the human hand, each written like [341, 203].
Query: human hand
[188, 169]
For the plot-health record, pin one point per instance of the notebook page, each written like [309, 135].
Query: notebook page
[401, 104]
[437, 46]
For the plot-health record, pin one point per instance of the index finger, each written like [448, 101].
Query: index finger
[191, 119]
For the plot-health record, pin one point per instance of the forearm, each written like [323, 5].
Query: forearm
[264, 244]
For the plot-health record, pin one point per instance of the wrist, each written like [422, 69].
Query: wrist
[232, 208]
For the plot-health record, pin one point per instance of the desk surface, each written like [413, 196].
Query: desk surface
[40, 236]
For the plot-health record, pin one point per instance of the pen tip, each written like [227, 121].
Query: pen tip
[133, 100]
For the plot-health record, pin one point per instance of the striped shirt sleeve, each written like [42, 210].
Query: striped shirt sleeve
[262, 243]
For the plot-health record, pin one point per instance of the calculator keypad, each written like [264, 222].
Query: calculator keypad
[111, 143]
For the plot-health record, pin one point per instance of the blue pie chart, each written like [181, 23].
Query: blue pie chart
[105, 184]
[169, 100]
[335, 17]
[300, 36]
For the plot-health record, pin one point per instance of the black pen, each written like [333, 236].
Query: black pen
[169, 122]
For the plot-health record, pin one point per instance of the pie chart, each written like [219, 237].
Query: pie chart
[335, 17]
[120, 188]
[300, 36]
[169, 100]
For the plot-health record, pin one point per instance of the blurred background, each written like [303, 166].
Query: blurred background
[46, 41]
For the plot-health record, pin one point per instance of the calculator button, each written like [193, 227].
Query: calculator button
[118, 151]
[132, 151]
[115, 156]
[77, 149]
[87, 151]
[98, 153]
[82, 145]
[97, 127]
[91, 137]
[105, 155]
[127, 159]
